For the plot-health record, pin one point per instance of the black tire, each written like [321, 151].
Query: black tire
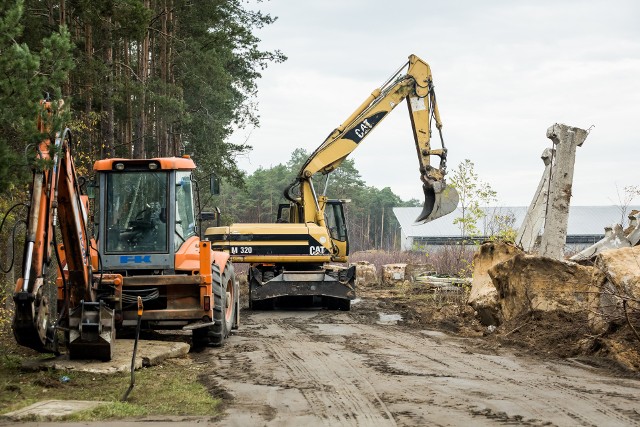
[225, 294]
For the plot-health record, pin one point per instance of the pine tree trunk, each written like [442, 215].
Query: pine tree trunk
[128, 122]
[88, 99]
[382, 229]
[143, 69]
[107, 123]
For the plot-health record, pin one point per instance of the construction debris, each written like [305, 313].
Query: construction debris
[549, 209]
[528, 283]
[444, 284]
[566, 140]
[366, 274]
[414, 271]
[393, 274]
[619, 294]
[528, 237]
[614, 237]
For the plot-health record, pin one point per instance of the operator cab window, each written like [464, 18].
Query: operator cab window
[334, 218]
[136, 212]
[185, 218]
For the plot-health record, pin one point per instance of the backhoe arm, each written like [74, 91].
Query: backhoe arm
[416, 86]
[55, 201]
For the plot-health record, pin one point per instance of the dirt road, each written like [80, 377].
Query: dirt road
[321, 368]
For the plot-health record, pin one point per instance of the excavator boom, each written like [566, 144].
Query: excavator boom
[416, 87]
[56, 203]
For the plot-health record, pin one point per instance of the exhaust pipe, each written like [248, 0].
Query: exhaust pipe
[439, 200]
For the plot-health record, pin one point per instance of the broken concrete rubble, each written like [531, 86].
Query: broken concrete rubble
[528, 236]
[413, 271]
[365, 274]
[614, 237]
[393, 273]
[566, 139]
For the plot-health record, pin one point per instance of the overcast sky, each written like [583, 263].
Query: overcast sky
[504, 71]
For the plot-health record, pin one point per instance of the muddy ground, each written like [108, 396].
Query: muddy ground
[406, 356]
[402, 358]
[554, 334]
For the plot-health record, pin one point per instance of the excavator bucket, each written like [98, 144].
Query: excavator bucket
[91, 332]
[439, 200]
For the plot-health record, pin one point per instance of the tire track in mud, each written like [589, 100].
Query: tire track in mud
[328, 369]
[337, 391]
[541, 400]
[282, 359]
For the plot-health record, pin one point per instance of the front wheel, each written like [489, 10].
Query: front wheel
[225, 296]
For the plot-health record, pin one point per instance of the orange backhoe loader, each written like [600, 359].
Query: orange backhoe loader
[145, 243]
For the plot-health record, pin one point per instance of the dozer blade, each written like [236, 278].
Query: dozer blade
[439, 200]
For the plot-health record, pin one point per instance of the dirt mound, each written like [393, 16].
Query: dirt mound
[550, 334]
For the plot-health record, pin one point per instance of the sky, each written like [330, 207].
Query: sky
[504, 72]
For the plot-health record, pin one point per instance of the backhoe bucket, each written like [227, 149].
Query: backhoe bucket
[91, 332]
[439, 200]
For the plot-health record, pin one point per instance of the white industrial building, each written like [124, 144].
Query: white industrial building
[586, 225]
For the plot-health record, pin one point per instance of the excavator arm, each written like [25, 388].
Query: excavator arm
[55, 202]
[416, 87]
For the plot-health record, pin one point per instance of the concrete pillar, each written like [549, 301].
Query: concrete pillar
[566, 139]
[529, 232]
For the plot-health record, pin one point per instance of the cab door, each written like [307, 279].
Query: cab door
[337, 227]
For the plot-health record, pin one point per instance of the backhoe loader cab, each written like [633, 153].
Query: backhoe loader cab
[146, 213]
[147, 233]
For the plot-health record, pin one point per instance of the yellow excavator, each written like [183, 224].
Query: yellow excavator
[290, 259]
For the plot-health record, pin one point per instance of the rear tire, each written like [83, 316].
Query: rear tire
[225, 294]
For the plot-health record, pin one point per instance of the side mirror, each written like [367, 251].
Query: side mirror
[210, 216]
[214, 185]
[207, 216]
[91, 189]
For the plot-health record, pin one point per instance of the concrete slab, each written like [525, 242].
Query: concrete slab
[149, 353]
[52, 408]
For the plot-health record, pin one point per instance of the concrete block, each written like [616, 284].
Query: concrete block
[393, 274]
[566, 140]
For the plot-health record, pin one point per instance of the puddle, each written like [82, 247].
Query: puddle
[389, 319]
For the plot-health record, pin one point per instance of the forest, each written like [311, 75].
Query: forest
[139, 78]
[154, 78]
